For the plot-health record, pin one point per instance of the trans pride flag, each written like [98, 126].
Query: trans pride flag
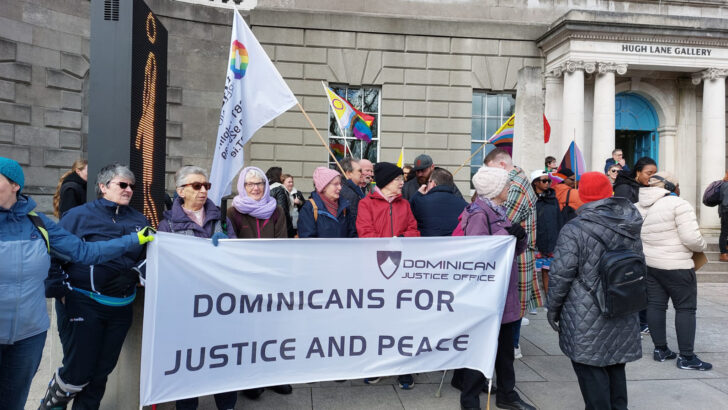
[349, 117]
[574, 160]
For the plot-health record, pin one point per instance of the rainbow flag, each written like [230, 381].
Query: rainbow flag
[349, 117]
[503, 137]
[339, 150]
[574, 160]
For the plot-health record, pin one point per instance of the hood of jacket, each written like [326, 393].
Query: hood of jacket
[19, 210]
[74, 177]
[623, 178]
[650, 195]
[617, 214]
[450, 189]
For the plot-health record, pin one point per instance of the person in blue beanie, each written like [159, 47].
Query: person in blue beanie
[27, 239]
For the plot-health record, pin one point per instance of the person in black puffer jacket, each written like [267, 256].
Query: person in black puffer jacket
[549, 221]
[437, 210]
[599, 347]
[627, 185]
[279, 193]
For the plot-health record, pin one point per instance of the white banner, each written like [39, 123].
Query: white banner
[255, 93]
[253, 313]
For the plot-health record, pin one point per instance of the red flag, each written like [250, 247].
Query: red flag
[546, 130]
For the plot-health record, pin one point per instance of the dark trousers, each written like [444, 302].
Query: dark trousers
[517, 333]
[681, 286]
[91, 335]
[473, 381]
[723, 232]
[18, 363]
[223, 401]
[603, 388]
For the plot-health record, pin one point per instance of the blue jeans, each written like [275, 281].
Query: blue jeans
[18, 364]
[517, 333]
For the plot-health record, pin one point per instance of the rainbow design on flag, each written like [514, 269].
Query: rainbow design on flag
[349, 117]
[574, 160]
[503, 137]
[338, 149]
[238, 59]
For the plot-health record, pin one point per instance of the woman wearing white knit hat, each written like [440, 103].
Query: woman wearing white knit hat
[487, 216]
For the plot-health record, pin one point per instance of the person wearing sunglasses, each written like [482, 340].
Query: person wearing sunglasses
[193, 214]
[95, 312]
[566, 192]
[613, 172]
[548, 223]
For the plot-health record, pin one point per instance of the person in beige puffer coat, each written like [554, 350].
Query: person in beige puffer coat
[670, 235]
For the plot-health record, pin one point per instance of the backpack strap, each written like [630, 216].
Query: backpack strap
[35, 219]
[568, 194]
[315, 209]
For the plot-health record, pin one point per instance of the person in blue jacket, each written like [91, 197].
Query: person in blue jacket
[325, 214]
[438, 206]
[25, 261]
[94, 306]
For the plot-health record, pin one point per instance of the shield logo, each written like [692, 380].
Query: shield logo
[388, 262]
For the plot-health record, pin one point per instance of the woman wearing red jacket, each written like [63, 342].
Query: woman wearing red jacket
[384, 213]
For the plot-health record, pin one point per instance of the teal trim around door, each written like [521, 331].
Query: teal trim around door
[636, 116]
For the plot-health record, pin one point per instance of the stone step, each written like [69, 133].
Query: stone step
[712, 247]
[714, 257]
[711, 277]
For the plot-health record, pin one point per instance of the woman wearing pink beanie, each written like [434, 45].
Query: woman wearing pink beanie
[326, 214]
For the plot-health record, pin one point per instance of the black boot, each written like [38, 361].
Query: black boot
[58, 394]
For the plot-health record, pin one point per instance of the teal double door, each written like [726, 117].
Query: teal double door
[636, 125]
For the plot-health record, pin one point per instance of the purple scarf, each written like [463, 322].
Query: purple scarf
[246, 205]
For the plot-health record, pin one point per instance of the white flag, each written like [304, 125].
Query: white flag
[255, 93]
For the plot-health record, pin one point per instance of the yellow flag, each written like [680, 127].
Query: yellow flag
[400, 161]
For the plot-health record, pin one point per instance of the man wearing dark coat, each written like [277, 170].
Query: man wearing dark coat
[438, 207]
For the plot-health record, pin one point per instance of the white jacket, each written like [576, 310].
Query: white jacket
[670, 232]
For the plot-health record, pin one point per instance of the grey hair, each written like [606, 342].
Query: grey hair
[255, 173]
[180, 178]
[346, 164]
[108, 173]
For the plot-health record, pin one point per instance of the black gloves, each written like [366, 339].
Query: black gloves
[121, 285]
[553, 318]
[517, 231]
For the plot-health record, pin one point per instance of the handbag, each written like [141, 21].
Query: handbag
[699, 259]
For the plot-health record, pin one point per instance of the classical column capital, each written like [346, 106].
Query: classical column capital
[553, 74]
[604, 68]
[572, 66]
[709, 74]
[685, 83]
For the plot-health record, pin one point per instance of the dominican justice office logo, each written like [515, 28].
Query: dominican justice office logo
[238, 59]
[388, 262]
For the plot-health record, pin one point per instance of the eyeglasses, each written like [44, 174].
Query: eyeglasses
[198, 185]
[545, 181]
[123, 185]
[254, 184]
[399, 178]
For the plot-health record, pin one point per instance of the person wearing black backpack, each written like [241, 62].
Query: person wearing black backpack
[596, 252]
[567, 195]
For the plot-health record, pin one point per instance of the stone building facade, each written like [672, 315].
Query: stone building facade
[444, 74]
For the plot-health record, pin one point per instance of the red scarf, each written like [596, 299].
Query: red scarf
[331, 206]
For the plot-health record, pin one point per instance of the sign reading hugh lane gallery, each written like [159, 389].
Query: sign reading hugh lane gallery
[666, 50]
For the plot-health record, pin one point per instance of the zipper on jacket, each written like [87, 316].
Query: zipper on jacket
[113, 218]
[391, 220]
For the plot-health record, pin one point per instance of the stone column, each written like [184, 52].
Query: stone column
[687, 142]
[712, 141]
[667, 155]
[528, 147]
[573, 103]
[553, 109]
[604, 107]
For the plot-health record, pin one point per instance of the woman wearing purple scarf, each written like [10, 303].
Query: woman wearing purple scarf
[256, 215]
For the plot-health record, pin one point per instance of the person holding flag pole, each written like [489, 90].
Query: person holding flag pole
[254, 94]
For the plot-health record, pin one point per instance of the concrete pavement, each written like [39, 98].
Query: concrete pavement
[544, 375]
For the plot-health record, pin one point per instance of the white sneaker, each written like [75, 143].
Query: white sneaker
[532, 312]
[525, 321]
[517, 353]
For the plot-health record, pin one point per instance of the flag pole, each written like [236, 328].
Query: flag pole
[469, 158]
[321, 138]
